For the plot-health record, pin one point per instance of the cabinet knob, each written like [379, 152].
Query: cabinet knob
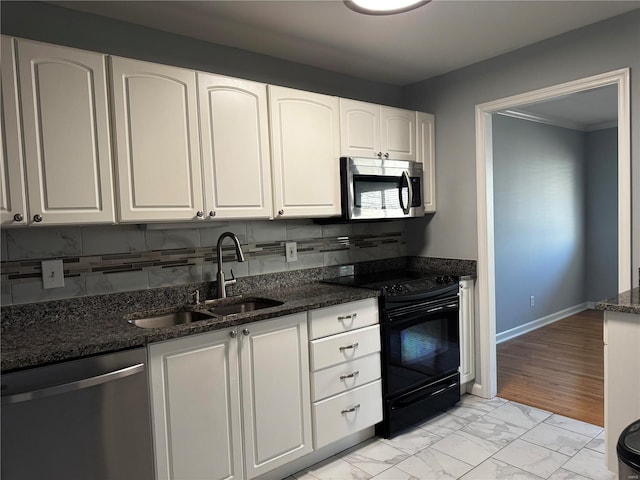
[37, 218]
[233, 334]
[246, 332]
[212, 213]
[386, 155]
[280, 212]
[379, 154]
[200, 214]
[18, 217]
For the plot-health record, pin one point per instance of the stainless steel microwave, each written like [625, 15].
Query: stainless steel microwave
[379, 189]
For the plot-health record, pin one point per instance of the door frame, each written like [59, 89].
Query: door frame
[486, 383]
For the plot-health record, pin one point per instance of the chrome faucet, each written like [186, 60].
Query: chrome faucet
[221, 282]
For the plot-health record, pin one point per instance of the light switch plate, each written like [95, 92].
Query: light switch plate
[52, 274]
[291, 249]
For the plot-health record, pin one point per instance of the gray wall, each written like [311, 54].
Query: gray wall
[49, 23]
[602, 47]
[539, 219]
[601, 150]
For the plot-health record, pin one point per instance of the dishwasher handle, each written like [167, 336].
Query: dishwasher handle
[73, 386]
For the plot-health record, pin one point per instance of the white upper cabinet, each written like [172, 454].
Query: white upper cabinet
[157, 146]
[359, 129]
[370, 130]
[305, 136]
[13, 206]
[397, 139]
[234, 123]
[67, 149]
[426, 155]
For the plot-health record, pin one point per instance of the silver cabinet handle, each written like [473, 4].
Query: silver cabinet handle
[347, 317]
[73, 386]
[350, 375]
[280, 212]
[212, 213]
[37, 218]
[349, 410]
[379, 154]
[200, 214]
[407, 178]
[386, 155]
[18, 217]
[353, 345]
[233, 334]
[246, 332]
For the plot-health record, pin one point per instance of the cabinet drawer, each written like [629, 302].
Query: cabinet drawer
[329, 351]
[347, 413]
[342, 318]
[345, 376]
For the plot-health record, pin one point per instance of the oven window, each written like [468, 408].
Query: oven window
[373, 192]
[421, 348]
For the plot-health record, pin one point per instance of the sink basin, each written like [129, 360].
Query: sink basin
[171, 319]
[243, 305]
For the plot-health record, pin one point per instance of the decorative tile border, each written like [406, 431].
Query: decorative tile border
[26, 271]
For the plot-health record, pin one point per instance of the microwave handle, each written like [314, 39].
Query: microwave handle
[407, 178]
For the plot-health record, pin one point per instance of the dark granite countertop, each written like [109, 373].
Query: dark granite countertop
[626, 302]
[37, 334]
[65, 337]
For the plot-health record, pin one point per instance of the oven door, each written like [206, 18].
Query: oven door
[421, 344]
[381, 189]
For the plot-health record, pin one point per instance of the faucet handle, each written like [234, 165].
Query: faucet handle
[196, 297]
[232, 281]
[233, 277]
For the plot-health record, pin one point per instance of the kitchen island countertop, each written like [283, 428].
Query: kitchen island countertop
[625, 302]
[49, 340]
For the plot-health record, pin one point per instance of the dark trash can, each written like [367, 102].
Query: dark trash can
[629, 452]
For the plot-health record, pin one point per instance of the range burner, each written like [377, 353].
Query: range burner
[405, 285]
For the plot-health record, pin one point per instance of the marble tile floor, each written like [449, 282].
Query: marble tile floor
[477, 439]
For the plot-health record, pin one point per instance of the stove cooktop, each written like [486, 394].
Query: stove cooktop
[400, 283]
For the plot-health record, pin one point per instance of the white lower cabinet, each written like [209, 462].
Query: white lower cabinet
[233, 403]
[345, 365]
[274, 360]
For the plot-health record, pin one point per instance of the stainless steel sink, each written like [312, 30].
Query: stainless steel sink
[243, 305]
[171, 319]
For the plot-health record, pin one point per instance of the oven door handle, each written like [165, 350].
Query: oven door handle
[406, 208]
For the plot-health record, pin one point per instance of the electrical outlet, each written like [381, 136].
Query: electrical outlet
[52, 274]
[291, 249]
[533, 300]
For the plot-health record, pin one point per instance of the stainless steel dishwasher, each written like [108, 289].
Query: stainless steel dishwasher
[80, 419]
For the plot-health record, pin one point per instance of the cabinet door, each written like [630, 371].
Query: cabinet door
[234, 124]
[275, 393]
[359, 129]
[467, 331]
[157, 145]
[426, 155]
[195, 406]
[13, 207]
[66, 134]
[398, 133]
[305, 137]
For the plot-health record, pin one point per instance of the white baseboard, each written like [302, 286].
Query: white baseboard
[540, 322]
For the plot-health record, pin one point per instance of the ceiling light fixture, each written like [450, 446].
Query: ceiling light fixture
[384, 7]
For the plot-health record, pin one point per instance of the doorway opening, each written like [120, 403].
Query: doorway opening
[486, 379]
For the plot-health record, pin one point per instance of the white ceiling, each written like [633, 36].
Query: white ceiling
[400, 49]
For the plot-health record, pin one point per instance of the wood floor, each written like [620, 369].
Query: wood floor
[559, 368]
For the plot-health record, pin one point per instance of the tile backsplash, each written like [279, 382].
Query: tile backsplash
[118, 258]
